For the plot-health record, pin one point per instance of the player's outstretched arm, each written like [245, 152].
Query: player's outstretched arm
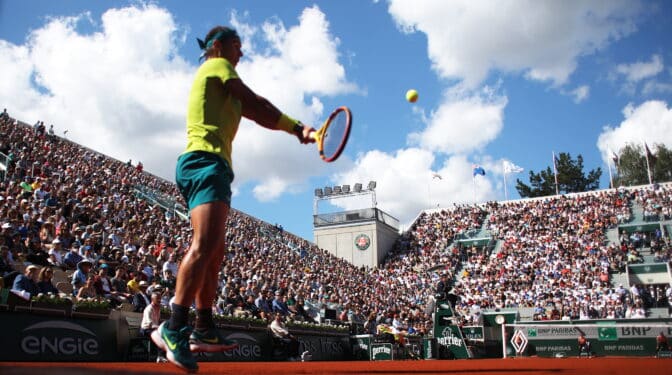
[264, 113]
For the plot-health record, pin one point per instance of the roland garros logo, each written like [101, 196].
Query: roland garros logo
[362, 242]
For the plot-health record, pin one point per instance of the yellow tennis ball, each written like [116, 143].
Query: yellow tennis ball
[412, 95]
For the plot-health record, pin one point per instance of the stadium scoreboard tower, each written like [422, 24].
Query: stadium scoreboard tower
[362, 237]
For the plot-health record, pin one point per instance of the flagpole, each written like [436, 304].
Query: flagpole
[506, 195]
[429, 192]
[473, 182]
[611, 177]
[648, 167]
[555, 172]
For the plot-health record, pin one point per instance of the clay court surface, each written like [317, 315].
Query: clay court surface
[531, 366]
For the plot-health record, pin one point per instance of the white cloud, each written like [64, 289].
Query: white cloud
[580, 93]
[462, 124]
[108, 88]
[652, 87]
[405, 183]
[543, 39]
[640, 70]
[122, 89]
[650, 122]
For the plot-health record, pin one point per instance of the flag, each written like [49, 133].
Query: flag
[509, 167]
[479, 170]
[649, 155]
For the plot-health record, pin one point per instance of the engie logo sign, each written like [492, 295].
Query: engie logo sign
[59, 338]
[248, 346]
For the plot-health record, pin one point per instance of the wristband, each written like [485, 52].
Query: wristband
[288, 124]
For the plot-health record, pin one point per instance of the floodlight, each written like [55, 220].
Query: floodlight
[337, 189]
[346, 189]
[319, 193]
[372, 185]
[327, 190]
[358, 187]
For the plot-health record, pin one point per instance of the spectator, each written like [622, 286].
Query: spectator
[27, 282]
[168, 280]
[151, 315]
[263, 304]
[7, 272]
[140, 298]
[72, 258]
[171, 264]
[119, 284]
[250, 309]
[279, 306]
[286, 339]
[56, 254]
[133, 284]
[44, 281]
[80, 276]
[88, 290]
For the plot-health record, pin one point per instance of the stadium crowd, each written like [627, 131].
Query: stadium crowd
[65, 207]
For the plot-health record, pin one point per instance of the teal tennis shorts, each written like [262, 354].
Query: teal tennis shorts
[203, 177]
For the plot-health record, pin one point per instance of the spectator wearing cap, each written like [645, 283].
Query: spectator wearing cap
[72, 258]
[27, 282]
[80, 276]
[55, 253]
[140, 299]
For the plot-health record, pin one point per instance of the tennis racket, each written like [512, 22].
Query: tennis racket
[332, 137]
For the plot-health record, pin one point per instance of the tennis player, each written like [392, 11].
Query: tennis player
[204, 173]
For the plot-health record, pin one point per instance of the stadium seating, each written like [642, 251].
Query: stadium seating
[560, 257]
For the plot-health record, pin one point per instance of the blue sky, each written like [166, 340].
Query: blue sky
[513, 81]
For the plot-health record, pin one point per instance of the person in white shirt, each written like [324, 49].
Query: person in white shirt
[170, 264]
[55, 253]
[151, 315]
[289, 341]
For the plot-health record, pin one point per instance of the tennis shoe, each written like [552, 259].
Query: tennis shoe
[210, 341]
[176, 345]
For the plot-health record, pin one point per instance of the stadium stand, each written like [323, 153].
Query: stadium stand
[552, 258]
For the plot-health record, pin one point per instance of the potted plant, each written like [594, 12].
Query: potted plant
[92, 307]
[224, 320]
[50, 304]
